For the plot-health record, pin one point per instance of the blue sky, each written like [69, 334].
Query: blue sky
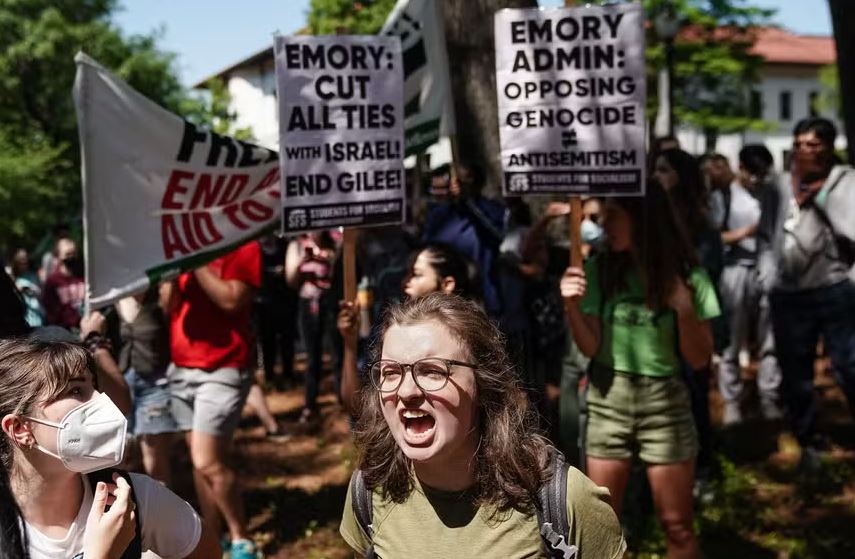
[209, 35]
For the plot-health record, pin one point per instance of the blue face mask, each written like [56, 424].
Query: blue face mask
[591, 232]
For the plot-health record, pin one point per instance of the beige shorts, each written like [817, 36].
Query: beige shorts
[635, 414]
[208, 401]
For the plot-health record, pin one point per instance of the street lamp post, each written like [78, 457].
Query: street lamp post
[667, 25]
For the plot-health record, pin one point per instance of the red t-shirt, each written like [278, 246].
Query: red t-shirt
[202, 335]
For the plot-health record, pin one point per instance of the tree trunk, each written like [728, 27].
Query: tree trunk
[471, 55]
[843, 20]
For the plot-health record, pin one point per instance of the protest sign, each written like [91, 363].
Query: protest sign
[341, 131]
[571, 91]
[160, 196]
[428, 105]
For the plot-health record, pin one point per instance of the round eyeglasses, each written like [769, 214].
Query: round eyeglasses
[430, 374]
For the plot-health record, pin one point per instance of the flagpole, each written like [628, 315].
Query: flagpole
[575, 211]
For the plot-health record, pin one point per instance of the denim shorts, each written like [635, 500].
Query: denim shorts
[636, 414]
[152, 405]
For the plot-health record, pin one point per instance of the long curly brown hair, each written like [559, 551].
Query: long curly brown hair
[512, 458]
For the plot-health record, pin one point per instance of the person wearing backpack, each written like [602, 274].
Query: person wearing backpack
[807, 252]
[450, 464]
[60, 443]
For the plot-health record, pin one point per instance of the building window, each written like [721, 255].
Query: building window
[755, 104]
[813, 99]
[786, 105]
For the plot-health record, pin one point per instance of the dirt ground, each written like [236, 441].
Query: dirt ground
[757, 505]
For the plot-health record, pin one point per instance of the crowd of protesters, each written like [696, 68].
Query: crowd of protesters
[510, 351]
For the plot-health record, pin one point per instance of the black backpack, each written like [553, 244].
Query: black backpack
[551, 512]
[134, 549]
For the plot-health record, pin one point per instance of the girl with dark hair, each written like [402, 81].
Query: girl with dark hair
[448, 448]
[636, 310]
[438, 267]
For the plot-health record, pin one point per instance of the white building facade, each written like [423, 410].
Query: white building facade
[788, 84]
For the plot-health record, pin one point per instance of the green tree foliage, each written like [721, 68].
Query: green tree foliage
[39, 146]
[714, 69]
[212, 110]
[328, 17]
[829, 100]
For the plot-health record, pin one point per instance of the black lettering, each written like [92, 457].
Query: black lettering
[613, 21]
[246, 158]
[518, 32]
[190, 137]
[217, 144]
[521, 62]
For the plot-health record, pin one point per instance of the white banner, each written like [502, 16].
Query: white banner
[572, 92]
[341, 131]
[428, 104]
[160, 196]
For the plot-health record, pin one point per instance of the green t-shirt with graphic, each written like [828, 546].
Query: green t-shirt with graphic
[434, 524]
[635, 338]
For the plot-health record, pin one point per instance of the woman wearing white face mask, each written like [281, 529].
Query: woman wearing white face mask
[449, 454]
[56, 428]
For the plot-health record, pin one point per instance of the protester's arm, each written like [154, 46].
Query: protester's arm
[585, 328]
[736, 235]
[230, 295]
[111, 381]
[534, 253]
[348, 325]
[695, 334]
[293, 258]
[167, 298]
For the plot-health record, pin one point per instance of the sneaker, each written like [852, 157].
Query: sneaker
[732, 415]
[277, 436]
[243, 549]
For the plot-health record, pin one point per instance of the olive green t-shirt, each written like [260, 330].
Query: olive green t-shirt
[434, 524]
[635, 338]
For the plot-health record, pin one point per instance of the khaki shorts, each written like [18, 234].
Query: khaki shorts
[208, 401]
[629, 413]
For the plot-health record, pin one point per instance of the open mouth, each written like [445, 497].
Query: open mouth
[418, 423]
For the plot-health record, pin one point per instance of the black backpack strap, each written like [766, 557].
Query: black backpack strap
[360, 499]
[134, 549]
[726, 197]
[552, 512]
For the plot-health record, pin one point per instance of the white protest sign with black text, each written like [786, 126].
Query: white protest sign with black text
[571, 91]
[160, 196]
[341, 130]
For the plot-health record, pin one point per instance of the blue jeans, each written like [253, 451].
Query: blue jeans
[798, 319]
[152, 412]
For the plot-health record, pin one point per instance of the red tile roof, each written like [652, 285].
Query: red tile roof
[778, 46]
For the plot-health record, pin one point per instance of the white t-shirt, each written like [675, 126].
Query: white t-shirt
[170, 526]
[744, 211]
